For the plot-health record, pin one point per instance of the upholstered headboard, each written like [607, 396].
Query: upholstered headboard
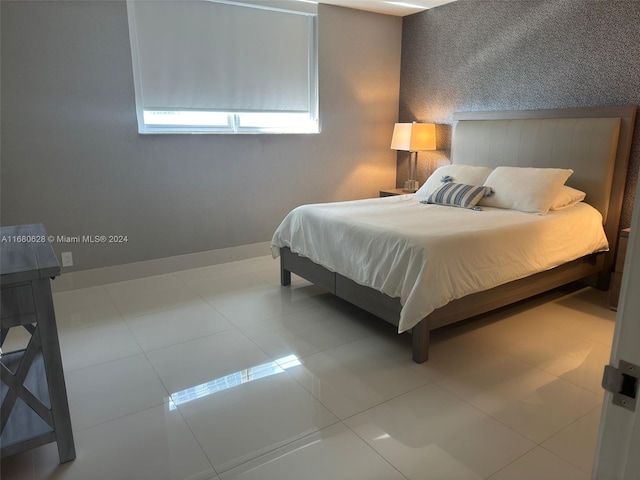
[594, 142]
[586, 145]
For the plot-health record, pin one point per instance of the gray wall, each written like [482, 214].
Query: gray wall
[72, 158]
[474, 55]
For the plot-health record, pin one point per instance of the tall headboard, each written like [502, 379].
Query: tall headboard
[594, 142]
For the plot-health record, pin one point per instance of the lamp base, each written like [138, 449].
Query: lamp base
[411, 186]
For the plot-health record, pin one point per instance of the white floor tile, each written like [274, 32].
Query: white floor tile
[332, 453]
[94, 345]
[584, 313]
[271, 274]
[253, 264]
[540, 464]
[577, 443]
[584, 367]
[139, 285]
[429, 433]
[466, 365]
[168, 327]
[206, 359]
[111, 390]
[309, 331]
[501, 330]
[548, 347]
[253, 417]
[536, 404]
[134, 303]
[210, 284]
[211, 272]
[353, 377]
[152, 444]
[208, 273]
[264, 303]
[268, 268]
[578, 316]
[84, 308]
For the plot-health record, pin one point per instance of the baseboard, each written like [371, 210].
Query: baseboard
[159, 266]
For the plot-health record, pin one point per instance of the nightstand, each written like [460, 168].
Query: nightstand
[393, 191]
[616, 276]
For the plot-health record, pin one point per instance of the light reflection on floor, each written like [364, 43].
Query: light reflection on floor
[233, 380]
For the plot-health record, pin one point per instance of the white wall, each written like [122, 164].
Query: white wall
[72, 158]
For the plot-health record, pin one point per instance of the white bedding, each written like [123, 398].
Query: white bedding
[428, 255]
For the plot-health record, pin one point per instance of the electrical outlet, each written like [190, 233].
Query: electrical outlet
[67, 259]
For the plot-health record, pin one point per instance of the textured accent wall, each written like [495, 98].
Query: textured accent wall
[72, 158]
[475, 55]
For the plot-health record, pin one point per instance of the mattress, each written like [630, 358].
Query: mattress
[428, 255]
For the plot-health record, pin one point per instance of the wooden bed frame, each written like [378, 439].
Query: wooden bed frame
[604, 185]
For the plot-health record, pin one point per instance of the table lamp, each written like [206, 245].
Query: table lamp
[413, 137]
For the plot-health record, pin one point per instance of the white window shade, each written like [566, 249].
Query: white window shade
[195, 55]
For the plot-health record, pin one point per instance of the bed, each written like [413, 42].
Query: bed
[376, 254]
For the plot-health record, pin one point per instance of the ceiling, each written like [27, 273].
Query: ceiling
[399, 8]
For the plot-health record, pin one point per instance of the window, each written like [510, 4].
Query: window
[224, 67]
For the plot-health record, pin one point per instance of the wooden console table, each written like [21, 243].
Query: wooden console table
[34, 410]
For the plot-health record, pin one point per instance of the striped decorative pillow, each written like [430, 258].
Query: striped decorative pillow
[458, 195]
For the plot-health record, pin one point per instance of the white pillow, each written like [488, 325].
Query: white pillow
[567, 197]
[525, 188]
[467, 174]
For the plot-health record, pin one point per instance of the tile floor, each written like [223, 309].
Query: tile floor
[221, 373]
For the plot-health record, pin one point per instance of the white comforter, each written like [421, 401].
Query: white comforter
[429, 255]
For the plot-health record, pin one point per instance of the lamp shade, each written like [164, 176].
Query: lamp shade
[414, 137]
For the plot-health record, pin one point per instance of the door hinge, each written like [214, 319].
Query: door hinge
[623, 383]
